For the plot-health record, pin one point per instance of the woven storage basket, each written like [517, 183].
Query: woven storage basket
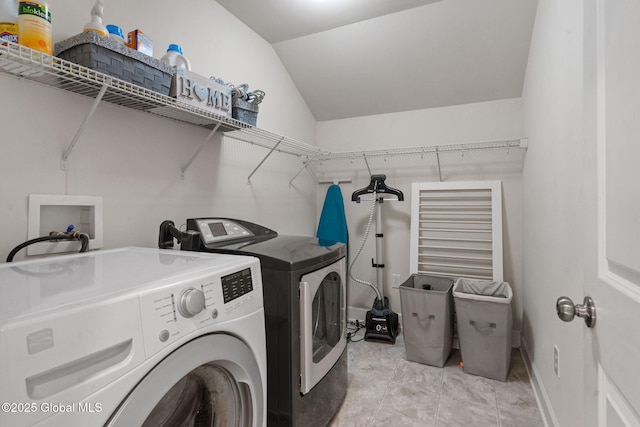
[244, 111]
[107, 56]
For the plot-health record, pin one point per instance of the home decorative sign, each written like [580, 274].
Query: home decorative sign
[199, 91]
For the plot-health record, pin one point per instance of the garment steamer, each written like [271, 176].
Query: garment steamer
[381, 323]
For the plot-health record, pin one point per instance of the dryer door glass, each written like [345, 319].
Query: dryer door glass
[326, 316]
[322, 322]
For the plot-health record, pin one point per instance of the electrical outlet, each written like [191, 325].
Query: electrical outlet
[556, 360]
[396, 280]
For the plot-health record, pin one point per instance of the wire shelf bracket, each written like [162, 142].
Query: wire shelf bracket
[64, 162]
[439, 168]
[207, 139]
[305, 164]
[263, 160]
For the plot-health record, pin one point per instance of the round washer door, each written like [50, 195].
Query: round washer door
[212, 381]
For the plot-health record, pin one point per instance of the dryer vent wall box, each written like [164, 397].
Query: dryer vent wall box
[51, 212]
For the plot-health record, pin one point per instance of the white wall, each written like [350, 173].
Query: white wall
[480, 122]
[553, 218]
[134, 159]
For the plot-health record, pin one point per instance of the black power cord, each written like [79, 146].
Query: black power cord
[352, 332]
[53, 236]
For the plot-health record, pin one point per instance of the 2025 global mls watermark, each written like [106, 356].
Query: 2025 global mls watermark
[51, 407]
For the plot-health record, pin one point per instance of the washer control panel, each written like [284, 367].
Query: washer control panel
[236, 285]
[178, 310]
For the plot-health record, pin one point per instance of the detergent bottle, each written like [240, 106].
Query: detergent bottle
[174, 57]
[34, 25]
[115, 33]
[9, 20]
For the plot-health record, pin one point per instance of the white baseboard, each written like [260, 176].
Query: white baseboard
[544, 403]
[515, 339]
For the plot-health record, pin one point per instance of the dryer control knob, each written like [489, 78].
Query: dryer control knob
[191, 302]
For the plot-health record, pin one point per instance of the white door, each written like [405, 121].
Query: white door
[612, 219]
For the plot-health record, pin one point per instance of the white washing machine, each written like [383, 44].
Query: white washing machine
[133, 337]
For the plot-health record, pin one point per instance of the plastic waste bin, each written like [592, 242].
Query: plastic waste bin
[427, 318]
[484, 320]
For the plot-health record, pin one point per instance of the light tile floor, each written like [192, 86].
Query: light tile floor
[387, 390]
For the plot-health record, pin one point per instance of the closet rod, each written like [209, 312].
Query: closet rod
[335, 181]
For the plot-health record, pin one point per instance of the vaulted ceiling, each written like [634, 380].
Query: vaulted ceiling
[353, 58]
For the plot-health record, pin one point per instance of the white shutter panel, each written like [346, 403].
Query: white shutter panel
[456, 229]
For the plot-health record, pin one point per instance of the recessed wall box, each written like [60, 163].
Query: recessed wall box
[52, 212]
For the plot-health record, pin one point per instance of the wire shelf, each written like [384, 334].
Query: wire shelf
[23, 62]
[266, 139]
[422, 151]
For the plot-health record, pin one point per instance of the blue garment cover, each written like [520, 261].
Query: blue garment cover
[332, 227]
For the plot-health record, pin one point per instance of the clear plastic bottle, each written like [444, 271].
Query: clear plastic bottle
[9, 20]
[174, 57]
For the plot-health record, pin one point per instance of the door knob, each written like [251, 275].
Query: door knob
[567, 310]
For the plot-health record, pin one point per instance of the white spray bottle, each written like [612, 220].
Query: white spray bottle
[96, 20]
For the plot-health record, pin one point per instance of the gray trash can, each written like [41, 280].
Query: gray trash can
[484, 319]
[427, 318]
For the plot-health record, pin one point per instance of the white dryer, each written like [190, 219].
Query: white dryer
[133, 337]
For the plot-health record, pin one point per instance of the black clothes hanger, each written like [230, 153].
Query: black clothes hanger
[377, 184]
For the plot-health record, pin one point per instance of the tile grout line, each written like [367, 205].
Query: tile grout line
[495, 397]
[388, 385]
[435, 421]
